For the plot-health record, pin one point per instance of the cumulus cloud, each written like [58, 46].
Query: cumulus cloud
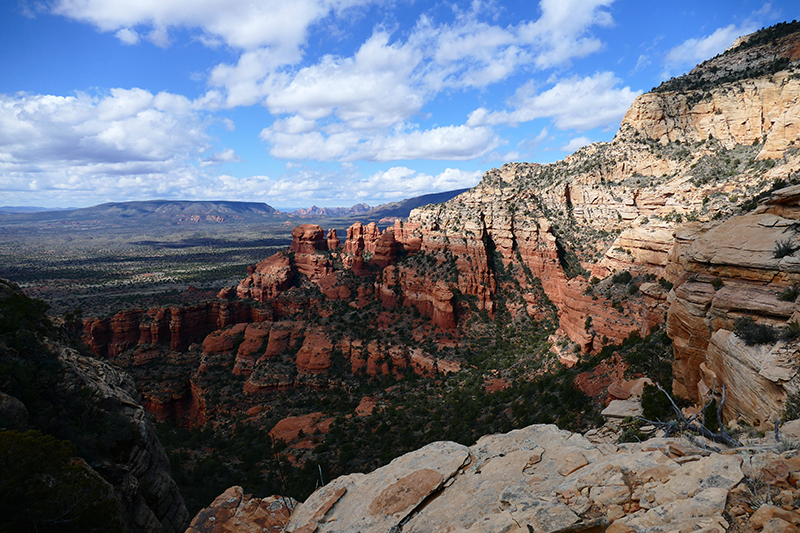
[577, 142]
[333, 103]
[403, 182]
[241, 24]
[371, 89]
[562, 32]
[576, 103]
[447, 142]
[127, 36]
[694, 51]
[379, 89]
[123, 140]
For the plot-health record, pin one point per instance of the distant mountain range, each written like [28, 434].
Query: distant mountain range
[402, 208]
[213, 211]
[314, 211]
[30, 209]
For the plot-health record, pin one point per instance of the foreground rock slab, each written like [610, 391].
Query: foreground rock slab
[540, 479]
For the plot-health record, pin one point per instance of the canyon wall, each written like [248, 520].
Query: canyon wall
[653, 203]
[727, 273]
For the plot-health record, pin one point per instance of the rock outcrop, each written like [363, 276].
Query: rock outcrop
[725, 273]
[544, 479]
[50, 387]
[176, 327]
[137, 467]
[741, 97]
[236, 512]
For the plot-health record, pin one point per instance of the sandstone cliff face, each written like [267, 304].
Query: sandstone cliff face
[138, 467]
[176, 327]
[682, 154]
[724, 273]
[747, 95]
[49, 386]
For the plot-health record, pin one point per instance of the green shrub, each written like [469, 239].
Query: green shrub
[752, 333]
[792, 331]
[790, 295]
[717, 284]
[784, 248]
[667, 285]
[792, 409]
[655, 404]
[631, 434]
[623, 277]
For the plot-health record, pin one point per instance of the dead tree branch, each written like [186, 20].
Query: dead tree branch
[685, 424]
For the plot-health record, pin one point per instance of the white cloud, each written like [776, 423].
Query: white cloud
[694, 51]
[127, 36]
[380, 87]
[403, 182]
[575, 103]
[241, 24]
[371, 89]
[126, 139]
[311, 145]
[577, 142]
[562, 32]
[226, 156]
[447, 142]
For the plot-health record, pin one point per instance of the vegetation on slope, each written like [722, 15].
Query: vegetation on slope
[43, 485]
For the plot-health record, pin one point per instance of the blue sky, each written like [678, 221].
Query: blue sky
[325, 102]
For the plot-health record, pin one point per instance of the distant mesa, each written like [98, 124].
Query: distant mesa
[215, 211]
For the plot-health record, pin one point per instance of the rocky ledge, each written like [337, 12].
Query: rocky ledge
[547, 480]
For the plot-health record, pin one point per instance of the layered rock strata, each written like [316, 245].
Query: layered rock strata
[725, 273]
[142, 477]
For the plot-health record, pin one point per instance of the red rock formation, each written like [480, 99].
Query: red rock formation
[124, 331]
[175, 326]
[333, 240]
[424, 365]
[252, 347]
[385, 252]
[189, 323]
[97, 335]
[366, 406]
[227, 293]
[268, 279]
[308, 239]
[314, 356]
[154, 326]
[181, 403]
[314, 266]
[407, 235]
[224, 340]
[401, 285]
[289, 428]
[283, 335]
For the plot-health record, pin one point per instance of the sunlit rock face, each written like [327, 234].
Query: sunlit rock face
[724, 273]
